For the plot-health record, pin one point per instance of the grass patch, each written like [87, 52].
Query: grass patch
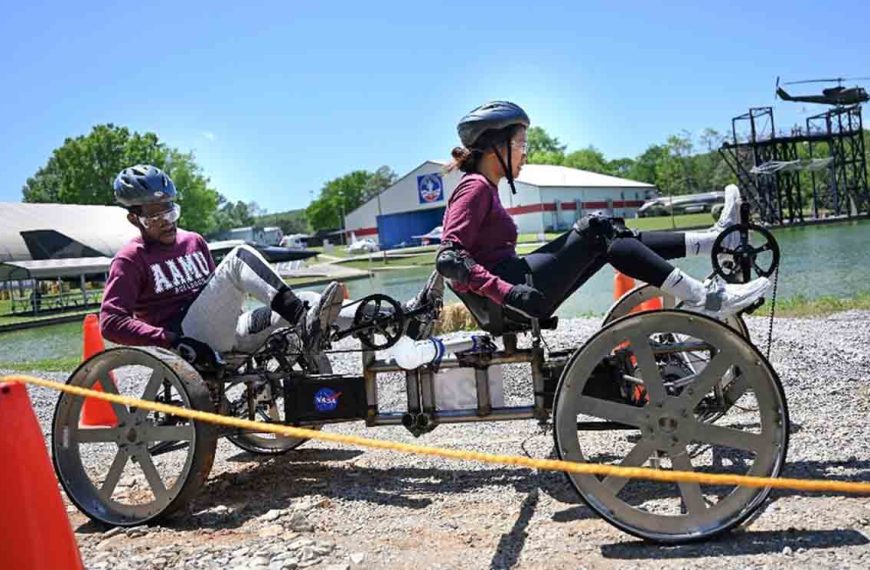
[63, 364]
[377, 261]
[665, 222]
[533, 238]
[9, 319]
[801, 306]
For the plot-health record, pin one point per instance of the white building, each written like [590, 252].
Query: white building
[548, 198]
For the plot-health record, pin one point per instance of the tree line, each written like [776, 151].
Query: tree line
[83, 168]
[684, 164]
[81, 171]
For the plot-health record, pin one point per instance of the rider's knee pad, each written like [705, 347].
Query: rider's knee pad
[595, 224]
[602, 229]
[594, 229]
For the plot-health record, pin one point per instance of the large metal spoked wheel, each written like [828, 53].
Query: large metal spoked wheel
[143, 465]
[642, 293]
[267, 405]
[728, 416]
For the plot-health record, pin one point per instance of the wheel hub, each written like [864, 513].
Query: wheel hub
[668, 424]
[131, 435]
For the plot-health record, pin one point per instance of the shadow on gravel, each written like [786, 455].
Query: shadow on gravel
[300, 455]
[556, 485]
[510, 545]
[92, 527]
[737, 544]
[842, 470]
[276, 482]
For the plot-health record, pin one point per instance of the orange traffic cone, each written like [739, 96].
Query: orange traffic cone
[622, 284]
[33, 522]
[95, 412]
[654, 304]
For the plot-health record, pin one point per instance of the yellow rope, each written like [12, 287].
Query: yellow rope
[815, 485]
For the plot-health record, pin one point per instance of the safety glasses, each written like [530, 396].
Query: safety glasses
[523, 146]
[170, 216]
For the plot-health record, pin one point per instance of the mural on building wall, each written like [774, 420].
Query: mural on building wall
[430, 188]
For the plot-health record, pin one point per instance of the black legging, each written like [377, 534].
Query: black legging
[560, 267]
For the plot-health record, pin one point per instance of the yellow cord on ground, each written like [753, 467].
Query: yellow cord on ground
[815, 485]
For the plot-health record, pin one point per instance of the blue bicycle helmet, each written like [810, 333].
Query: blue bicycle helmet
[492, 116]
[143, 184]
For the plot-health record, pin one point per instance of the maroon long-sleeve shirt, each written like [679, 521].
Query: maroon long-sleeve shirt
[476, 220]
[150, 285]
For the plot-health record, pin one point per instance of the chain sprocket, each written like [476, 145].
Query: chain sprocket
[379, 322]
[738, 263]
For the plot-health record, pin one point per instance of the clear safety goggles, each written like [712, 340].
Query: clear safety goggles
[523, 146]
[170, 216]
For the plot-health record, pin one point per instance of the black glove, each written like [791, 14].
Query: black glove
[528, 301]
[197, 353]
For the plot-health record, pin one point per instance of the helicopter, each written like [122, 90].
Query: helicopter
[838, 95]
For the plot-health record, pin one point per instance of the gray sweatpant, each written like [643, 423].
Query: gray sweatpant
[215, 317]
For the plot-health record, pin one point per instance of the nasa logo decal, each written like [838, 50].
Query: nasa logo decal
[326, 400]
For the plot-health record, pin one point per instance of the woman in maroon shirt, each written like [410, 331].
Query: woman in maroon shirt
[478, 252]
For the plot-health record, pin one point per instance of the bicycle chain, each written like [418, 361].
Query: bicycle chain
[772, 311]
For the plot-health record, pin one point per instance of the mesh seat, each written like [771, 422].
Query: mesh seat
[496, 319]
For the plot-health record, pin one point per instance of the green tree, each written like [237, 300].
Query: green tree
[234, 215]
[82, 170]
[198, 202]
[644, 167]
[711, 139]
[675, 172]
[548, 157]
[290, 222]
[380, 180]
[543, 148]
[344, 194]
[621, 167]
[589, 158]
[710, 168]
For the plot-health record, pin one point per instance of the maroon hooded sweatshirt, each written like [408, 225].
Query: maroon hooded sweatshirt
[150, 286]
[476, 220]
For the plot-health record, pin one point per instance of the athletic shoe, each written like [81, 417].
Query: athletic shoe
[725, 299]
[730, 216]
[320, 317]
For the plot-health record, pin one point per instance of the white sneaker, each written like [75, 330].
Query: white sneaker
[701, 242]
[422, 326]
[725, 299]
[730, 216]
[321, 316]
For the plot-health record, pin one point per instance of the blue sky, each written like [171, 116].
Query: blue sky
[275, 98]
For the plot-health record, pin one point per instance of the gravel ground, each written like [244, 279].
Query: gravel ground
[326, 506]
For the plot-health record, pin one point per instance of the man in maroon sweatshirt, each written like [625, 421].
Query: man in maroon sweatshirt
[164, 289]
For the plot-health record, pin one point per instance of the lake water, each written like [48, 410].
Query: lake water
[816, 261]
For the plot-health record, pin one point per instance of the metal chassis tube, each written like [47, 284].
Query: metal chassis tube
[422, 416]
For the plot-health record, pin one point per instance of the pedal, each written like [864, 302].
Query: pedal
[753, 307]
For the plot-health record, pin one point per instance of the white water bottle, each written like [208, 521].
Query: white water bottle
[472, 343]
[410, 354]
